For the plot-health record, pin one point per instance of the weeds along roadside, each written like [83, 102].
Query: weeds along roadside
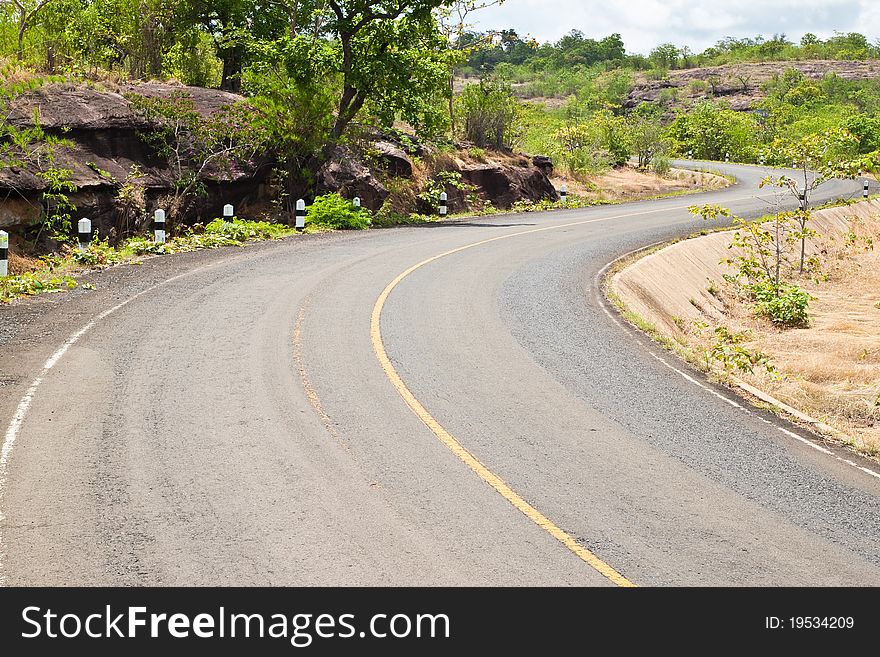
[57, 273]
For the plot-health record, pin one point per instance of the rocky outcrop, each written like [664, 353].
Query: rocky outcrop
[740, 85]
[394, 159]
[347, 175]
[544, 163]
[103, 148]
[504, 184]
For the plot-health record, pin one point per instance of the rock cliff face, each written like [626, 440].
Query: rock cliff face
[102, 131]
[105, 144]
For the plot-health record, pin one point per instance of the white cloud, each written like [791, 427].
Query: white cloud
[645, 23]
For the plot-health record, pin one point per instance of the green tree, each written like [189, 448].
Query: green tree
[385, 58]
[646, 133]
[26, 11]
[712, 130]
[818, 158]
[489, 113]
[665, 55]
[453, 22]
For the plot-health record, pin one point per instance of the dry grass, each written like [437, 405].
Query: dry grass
[628, 183]
[829, 370]
[21, 264]
[832, 369]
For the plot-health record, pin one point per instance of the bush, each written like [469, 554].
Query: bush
[489, 114]
[240, 230]
[784, 305]
[333, 211]
[661, 165]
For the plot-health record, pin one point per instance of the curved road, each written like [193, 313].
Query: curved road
[235, 426]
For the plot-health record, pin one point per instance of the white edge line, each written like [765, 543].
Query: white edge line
[24, 405]
[600, 277]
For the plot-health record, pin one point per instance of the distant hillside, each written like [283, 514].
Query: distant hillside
[741, 85]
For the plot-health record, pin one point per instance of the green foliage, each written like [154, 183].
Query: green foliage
[443, 181]
[240, 230]
[195, 146]
[98, 253]
[57, 207]
[479, 154]
[614, 136]
[711, 130]
[334, 211]
[32, 283]
[661, 165]
[784, 305]
[729, 352]
[489, 114]
[765, 255]
[593, 141]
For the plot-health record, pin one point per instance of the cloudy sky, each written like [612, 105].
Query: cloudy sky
[646, 23]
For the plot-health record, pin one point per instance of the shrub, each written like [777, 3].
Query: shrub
[489, 114]
[333, 211]
[32, 283]
[728, 351]
[478, 154]
[661, 165]
[240, 230]
[784, 305]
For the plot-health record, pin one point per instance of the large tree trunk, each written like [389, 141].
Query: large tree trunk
[232, 64]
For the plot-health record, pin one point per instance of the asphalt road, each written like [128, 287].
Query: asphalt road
[234, 425]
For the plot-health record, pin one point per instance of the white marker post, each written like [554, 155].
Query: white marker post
[300, 215]
[228, 212]
[727, 157]
[84, 228]
[865, 190]
[563, 193]
[159, 226]
[761, 159]
[4, 253]
[356, 201]
[443, 208]
[690, 155]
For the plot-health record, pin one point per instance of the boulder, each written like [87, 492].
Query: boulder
[544, 163]
[345, 174]
[505, 184]
[394, 159]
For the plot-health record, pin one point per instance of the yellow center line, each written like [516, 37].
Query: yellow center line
[452, 443]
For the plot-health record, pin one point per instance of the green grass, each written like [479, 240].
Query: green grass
[56, 273]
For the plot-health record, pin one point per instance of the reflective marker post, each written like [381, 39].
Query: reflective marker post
[443, 208]
[159, 226]
[84, 228]
[300, 215]
[228, 212]
[4, 253]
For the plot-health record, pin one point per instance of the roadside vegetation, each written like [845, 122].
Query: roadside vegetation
[743, 309]
[318, 79]
[56, 272]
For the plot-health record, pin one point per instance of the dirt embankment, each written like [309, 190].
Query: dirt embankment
[829, 370]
